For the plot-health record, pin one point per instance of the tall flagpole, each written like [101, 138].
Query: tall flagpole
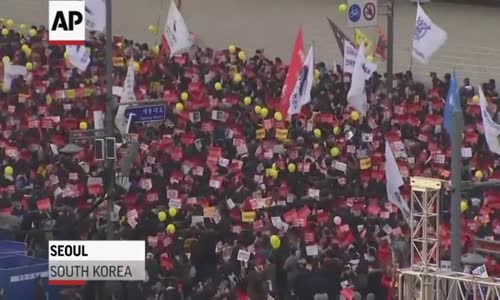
[110, 163]
[390, 46]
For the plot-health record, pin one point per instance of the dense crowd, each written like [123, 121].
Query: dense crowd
[233, 201]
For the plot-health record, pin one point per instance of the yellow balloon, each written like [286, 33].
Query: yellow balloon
[292, 167]
[478, 174]
[172, 211]
[5, 31]
[28, 52]
[242, 55]
[247, 100]
[5, 60]
[66, 55]
[334, 152]
[258, 109]
[153, 29]
[232, 49]
[137, 66]
[475, 99]
[162, 216]
[25, 47]
[156, 49]
[275, 241]
[273, 173]
[278, 116]
[237, 78]
[464, 206]
[8, 171]
[264, 112]
[9, 23]
[170, 228]
[33, 32]
[370, 58]
[83, 125]
[336, 130]
[343, 8]
[23, 27]
[184, 96]
[179, 107]
[29, 66]
[218, 86]
[317, 132]
[317, 73]
[355, 115]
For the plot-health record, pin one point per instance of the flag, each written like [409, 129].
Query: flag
[340, 36]
[176, 36]
[428, 37]
[292, 76]
[350, 55]
[302, 92]
[128, 95]
[491, 128]
[78, 57]
[95, 15]
[361, 38]
[452, 104]
[394, 181]
[357, 95]
[381, 48]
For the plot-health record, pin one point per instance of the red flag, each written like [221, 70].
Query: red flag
[381, 50]
[293, 73]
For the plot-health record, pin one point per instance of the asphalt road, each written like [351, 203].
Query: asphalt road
[472, 47]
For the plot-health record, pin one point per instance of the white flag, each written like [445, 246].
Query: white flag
[357, 95]
[350, 54]
[10, 72]
[128, 95]
[428, 37]
[301, 94]
[78, 57]
[95, 15]
[176, 34]
[491, 128]
[394, 181]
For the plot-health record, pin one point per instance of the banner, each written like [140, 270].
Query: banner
[302, 92]
[176, 35]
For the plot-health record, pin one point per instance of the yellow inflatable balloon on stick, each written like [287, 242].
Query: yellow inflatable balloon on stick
[355, 115]
[218, 86]
[5, 31]
[184, 96]
[83, 125]
[172, 211]
[334, 152]
[258, 109]
[9, 23]
[6, 60]
[275, 241]
[317, 133]
[278, 116]
[153, 29]
[343, 8]
[179, 107]
[242, 55]
[292, 167]
[464, 206]
[247, 100]
[8, 171]
[264, 112]
[170, 228]
[232, 49]
[29, 66]
[33, 32]
[162, 216]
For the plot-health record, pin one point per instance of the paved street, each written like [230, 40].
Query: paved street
[472, 46]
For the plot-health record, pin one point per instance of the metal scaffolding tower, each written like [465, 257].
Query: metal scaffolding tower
[425, 279]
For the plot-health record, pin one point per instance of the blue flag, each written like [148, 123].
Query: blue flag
[452, 104]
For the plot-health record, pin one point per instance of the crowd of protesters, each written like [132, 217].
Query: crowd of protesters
[233, 201]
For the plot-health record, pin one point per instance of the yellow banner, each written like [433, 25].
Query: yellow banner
[260, 134]
[365, 163]
[281, 134]
[248, 216]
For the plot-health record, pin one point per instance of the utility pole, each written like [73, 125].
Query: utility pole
[456, 192]
[390, 46]
[109, 170]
